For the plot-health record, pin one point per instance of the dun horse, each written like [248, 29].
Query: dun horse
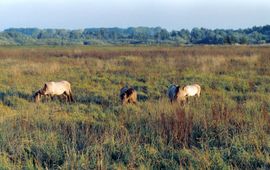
[128, 95]
[52, 89]
[175, 93]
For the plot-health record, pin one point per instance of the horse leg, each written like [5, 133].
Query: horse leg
[182, 102]
[66, 97]
[198, 95]
[47, 97]
[124, 102]
[186, 100]
[71, 96]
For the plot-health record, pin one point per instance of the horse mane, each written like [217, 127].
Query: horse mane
[45, 86]
[128, 92]
[37, 93]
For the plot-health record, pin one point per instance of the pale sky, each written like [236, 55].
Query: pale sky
[170, 14]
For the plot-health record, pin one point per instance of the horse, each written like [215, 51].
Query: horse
[128, 95]
[189, 90]
[172, 92]
[175, 93]
[51, 89]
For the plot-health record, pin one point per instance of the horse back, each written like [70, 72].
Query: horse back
[198, 87]
[192, 89]
[56, 87]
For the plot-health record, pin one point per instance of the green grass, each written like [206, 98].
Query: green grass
[227, 127]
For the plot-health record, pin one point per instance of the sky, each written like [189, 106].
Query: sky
[169, 14]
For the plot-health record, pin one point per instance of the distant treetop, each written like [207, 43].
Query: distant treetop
[134, 35]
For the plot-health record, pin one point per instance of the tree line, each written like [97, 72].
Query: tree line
[134, 35]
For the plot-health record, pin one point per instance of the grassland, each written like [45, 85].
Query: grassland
[227, 128]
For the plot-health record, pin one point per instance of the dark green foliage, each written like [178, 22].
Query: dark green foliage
[133, 35]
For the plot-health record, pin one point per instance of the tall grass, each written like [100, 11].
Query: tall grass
[227, 127]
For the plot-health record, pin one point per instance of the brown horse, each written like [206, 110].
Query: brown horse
[128, 95]
[51, 89]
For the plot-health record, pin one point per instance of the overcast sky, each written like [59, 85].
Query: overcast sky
[170, 14]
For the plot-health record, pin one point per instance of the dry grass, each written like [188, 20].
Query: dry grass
[228, 127]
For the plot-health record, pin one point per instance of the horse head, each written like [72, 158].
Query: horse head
[37, 96]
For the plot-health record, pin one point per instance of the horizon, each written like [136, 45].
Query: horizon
[132, 27]
[170, 14]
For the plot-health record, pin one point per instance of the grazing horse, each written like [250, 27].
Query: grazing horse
[55, 89]
[189, 90]
[128, 95]
[172, 92]
[175, 93]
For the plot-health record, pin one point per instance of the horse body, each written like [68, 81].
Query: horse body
[191, 90]
[128, 95]
[55, 89]
[172, 92]
[175, 93]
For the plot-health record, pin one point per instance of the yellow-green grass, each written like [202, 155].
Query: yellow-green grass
[227, 127]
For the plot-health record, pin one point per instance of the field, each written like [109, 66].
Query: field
[228, 127]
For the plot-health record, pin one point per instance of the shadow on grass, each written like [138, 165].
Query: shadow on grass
[19, 94]
[94, 98]
[15, 98]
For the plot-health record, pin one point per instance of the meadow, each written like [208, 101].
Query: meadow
[228, 127]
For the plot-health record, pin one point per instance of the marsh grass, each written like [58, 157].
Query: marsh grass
[227, 127]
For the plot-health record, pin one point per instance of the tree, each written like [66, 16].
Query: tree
[196, 35]
[136, 35]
